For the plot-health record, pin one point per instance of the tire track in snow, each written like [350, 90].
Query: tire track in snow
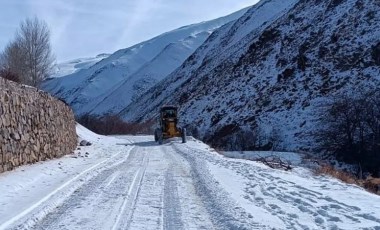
[183, 207]
[131, 198]
[172, 209]
[225, 213]
[108, 192]
[147, 212]
[35, 213]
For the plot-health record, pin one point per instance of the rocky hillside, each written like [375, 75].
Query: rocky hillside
[112, 83]
[273, 75]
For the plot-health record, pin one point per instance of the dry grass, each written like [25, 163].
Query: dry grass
[370, 184]
[339, 174]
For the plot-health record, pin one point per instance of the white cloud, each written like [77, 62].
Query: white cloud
[88, 27]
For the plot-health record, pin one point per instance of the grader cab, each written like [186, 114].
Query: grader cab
[168, 121]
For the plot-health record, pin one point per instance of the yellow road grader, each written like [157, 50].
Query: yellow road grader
[168, 120]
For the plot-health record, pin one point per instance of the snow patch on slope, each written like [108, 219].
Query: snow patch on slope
[70, 67]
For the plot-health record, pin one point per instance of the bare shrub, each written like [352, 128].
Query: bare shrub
[339, 174]
[275, 162]
[114, 125]
[275, 138]
[29, 55]
[350, 129]
[234, 137]
[7, 74]
[372, 184]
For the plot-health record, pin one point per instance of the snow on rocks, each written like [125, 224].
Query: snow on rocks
[84, 143]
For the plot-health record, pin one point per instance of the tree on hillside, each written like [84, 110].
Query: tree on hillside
[29, 55]
[350, 128]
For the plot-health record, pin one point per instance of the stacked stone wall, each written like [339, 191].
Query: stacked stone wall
[34, 126]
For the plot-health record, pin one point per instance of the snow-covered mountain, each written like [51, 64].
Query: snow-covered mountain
[111, 84]
[272, 74]
[70, 67]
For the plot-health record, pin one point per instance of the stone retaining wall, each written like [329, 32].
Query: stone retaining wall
[34, 126]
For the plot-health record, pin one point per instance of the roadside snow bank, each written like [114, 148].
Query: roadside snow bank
[34, 190]
[85, 134]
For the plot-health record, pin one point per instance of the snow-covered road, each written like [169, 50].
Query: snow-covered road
[130, 182]
[143, 191]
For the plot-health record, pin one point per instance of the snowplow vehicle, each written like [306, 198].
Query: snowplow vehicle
[168, 128]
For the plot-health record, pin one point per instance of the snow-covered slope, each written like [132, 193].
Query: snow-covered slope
[277, 74]
[171, 57]
[130, 71]
[70, 67]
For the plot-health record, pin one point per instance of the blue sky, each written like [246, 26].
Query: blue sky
[85, 28]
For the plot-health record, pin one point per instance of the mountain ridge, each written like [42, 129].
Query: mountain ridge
[88, 87]
[276, 76]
